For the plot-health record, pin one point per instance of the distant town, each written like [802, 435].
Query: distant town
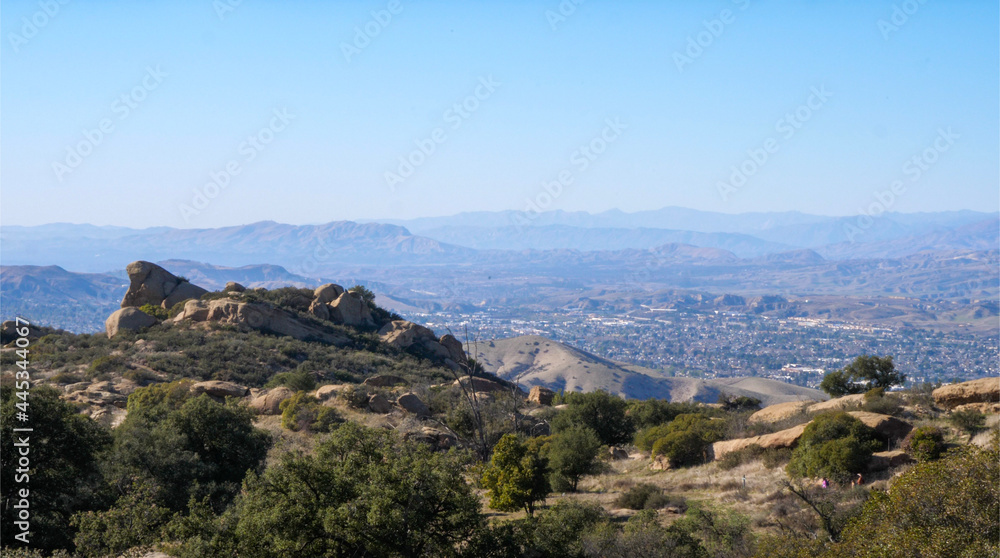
[727, 344]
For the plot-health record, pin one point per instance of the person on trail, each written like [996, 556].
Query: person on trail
[859, 481]
[824, 483]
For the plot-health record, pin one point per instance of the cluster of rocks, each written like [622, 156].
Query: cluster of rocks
[420, 340]
[982, 395]
[253, 315]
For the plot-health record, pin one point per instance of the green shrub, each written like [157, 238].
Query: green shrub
[925, 443]
[304, 412]
[834, 445]
[646, 437]
[296, 381]
[65, 378]
[968, 420]
[154, 311]
[600, 411]
[648, 496]
[687, 439]
[104, 365]
[876, 401]
[749, 454]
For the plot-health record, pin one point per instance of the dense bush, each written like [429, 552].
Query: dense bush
[648, 496]
[571, 454]
[155, 311]
[834, 445]
[64, 477]
[599, 411]
[646, 413]
[686, 439]
[946, 508]
[296, 381]
[925, 443]
[515, 476]
[970, 421]
[304, 412]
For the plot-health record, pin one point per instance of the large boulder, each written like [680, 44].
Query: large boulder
[269, 402]
[541, 395]
[888, 427]
[216, 388]
[327, 293]
[351, 310]
[411, 403]
[151, 284]
[252, 315]
[838, 404]
[788, 438]
[454, 347]
[234, 287]
[127, 319]
[377, 403]
[320, 310]
[983, 390]
[880, 461]
[780, 411]
[422, 341]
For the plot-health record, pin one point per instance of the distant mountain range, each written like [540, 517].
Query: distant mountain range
[475, 260]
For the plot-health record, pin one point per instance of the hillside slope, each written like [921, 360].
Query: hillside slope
[534, 360]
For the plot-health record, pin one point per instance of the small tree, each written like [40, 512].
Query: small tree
[571, 455]
[515, 476]
[600, 411]
[687, 439]
[865, 373]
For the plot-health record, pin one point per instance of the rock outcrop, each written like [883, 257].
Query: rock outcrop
[541, 395]
[234, 287]
[890, 428]
[8, 332]
[788, 438]
[481, 385]
[411, 403]
[883, 460]
[983, 390]
[377, 403]
[269, 402]
[252, 315]
[327, 293]
[151, 284]
[780, 411]
[127, 319]
[216, 388]
[351, 310]
[838, 404]
[422, 341]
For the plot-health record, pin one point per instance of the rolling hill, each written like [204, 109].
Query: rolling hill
[532, 360]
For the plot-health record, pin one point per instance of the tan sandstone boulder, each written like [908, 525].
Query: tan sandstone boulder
[377, 403]
[541, 395]
[216, 388]
[269, 402]
[780, 411]
[983, 390]
[838, 404]
[151, 284]
[411, 403]
[788, 438]
[127, 319]
[888, 427]
[351, 310]
[327, 293]
[252, 315]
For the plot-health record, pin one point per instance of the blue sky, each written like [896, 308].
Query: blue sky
[618, 99]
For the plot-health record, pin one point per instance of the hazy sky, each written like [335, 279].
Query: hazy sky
[303, 111]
